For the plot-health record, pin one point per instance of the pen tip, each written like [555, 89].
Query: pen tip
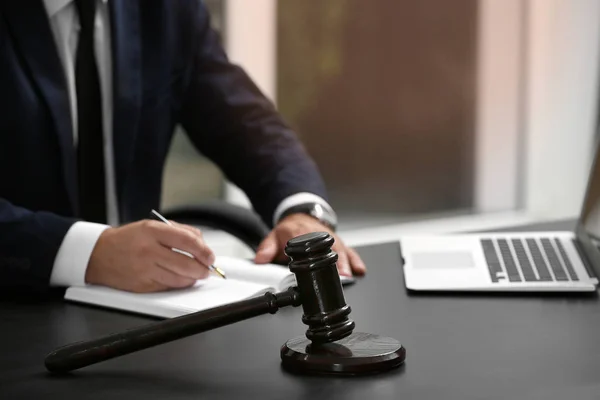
[220, 272]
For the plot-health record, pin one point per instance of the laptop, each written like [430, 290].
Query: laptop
[511, 262]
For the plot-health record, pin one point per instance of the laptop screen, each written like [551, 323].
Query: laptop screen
[590, 214]
[588, 227]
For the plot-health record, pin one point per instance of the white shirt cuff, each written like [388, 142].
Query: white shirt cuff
[74, 253]
[299, 198]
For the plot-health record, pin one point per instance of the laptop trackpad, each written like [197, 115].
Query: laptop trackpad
[443, 260]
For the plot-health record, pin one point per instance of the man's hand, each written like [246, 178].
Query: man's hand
[272, 246]
[138, 257]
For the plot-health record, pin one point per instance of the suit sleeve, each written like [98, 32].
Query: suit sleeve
[29, 242]
[230, 121]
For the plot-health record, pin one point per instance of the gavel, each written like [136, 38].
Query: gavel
[329, 346]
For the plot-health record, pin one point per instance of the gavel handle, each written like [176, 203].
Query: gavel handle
[81, 354]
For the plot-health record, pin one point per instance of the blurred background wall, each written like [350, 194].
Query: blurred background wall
[383, 95]
[419, 110]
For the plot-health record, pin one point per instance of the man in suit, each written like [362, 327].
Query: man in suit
[90, 93]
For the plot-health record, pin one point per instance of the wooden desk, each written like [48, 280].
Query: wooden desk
[458, 347]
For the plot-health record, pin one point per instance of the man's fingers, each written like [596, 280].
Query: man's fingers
[181, 264]
[163, 276]
[182, 239]
[267, 249]
[343, 264]
[356, 263]
[189, 228]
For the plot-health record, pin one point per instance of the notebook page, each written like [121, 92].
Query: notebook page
[273, 275]
[206, 293]
[246, 270]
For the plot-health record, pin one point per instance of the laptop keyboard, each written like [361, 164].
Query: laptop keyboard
[528, 260]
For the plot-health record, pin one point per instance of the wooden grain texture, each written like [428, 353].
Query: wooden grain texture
[357, 354]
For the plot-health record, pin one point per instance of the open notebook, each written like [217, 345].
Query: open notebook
[244, 279]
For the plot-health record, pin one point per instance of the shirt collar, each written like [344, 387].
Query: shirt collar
[54, 6]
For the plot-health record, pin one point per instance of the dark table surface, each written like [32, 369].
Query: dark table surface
[458, 347]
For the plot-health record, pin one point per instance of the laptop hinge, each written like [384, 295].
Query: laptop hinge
[585, 261]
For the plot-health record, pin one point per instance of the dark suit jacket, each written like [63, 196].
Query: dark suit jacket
[168, 69]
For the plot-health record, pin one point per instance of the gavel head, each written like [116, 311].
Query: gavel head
[325, 310]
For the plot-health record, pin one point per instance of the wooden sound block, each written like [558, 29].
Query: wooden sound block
[357, 354]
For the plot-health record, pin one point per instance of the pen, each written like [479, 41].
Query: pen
[217, 270]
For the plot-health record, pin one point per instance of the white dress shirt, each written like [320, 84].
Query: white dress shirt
[73, 255]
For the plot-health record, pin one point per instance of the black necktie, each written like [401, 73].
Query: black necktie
[90, 150]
